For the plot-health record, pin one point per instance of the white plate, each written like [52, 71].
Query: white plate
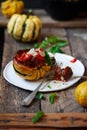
[77, 68]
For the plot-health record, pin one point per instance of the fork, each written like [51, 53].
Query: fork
[27, 101]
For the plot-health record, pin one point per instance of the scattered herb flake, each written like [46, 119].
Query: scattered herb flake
[49, 86]
[40, 96]
[55, 81]
[52, 97]
[37, 116]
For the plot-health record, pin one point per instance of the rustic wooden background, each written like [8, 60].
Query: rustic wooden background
[65, 112]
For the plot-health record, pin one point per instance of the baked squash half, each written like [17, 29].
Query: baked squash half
[24, 28]
[32, 64]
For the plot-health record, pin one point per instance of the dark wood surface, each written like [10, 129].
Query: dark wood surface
[65, 112]
[79, 21]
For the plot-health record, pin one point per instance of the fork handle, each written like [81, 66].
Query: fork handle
[27, 101]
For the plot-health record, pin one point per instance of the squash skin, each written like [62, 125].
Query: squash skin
[28, 34]
[17, 31]
[38, 25]
[23, 28]
[81, 94]
[30, 73]
[10, 7]
[11, 23]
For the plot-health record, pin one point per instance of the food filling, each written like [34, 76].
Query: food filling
[38, 57]
[31, 57]
[62, 74]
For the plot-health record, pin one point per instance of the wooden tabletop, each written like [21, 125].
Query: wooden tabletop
[78, 21]
[65, 112]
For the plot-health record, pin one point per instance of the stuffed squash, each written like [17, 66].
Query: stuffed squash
[32, 64]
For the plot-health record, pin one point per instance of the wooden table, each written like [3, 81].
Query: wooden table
[65, 112]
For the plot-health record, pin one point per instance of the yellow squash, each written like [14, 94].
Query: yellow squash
[10, 7]
[81, 94]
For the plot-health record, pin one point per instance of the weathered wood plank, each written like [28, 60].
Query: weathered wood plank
[66, 98]
[45, 104]
[53, 120]
[48, 21]
[61, 102]
[78, 40]
[11, 96]
[78, 49]
[78, 43]
[36, 128]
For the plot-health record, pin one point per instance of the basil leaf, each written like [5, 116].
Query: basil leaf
[40, 95]
[37, 116]
[55, 49]
[52, 97]
[61, 39]
[48, 59]
[52, 39]
[61, 44]
[47, 41]
[44, 44]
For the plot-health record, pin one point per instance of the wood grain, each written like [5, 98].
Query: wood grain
[12, 96]
[53, 120]
[65, 112]
[48, 21]
[66, 98]
[78, 42]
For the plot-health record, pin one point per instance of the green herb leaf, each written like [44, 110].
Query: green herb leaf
[55, 49]
[51, 40]
[48, 40]
[49, 86]
[40, 95]
[61, 44]
[61, 39]
[48, 59]
[44, 43]
[37, 116]
[52, 97]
